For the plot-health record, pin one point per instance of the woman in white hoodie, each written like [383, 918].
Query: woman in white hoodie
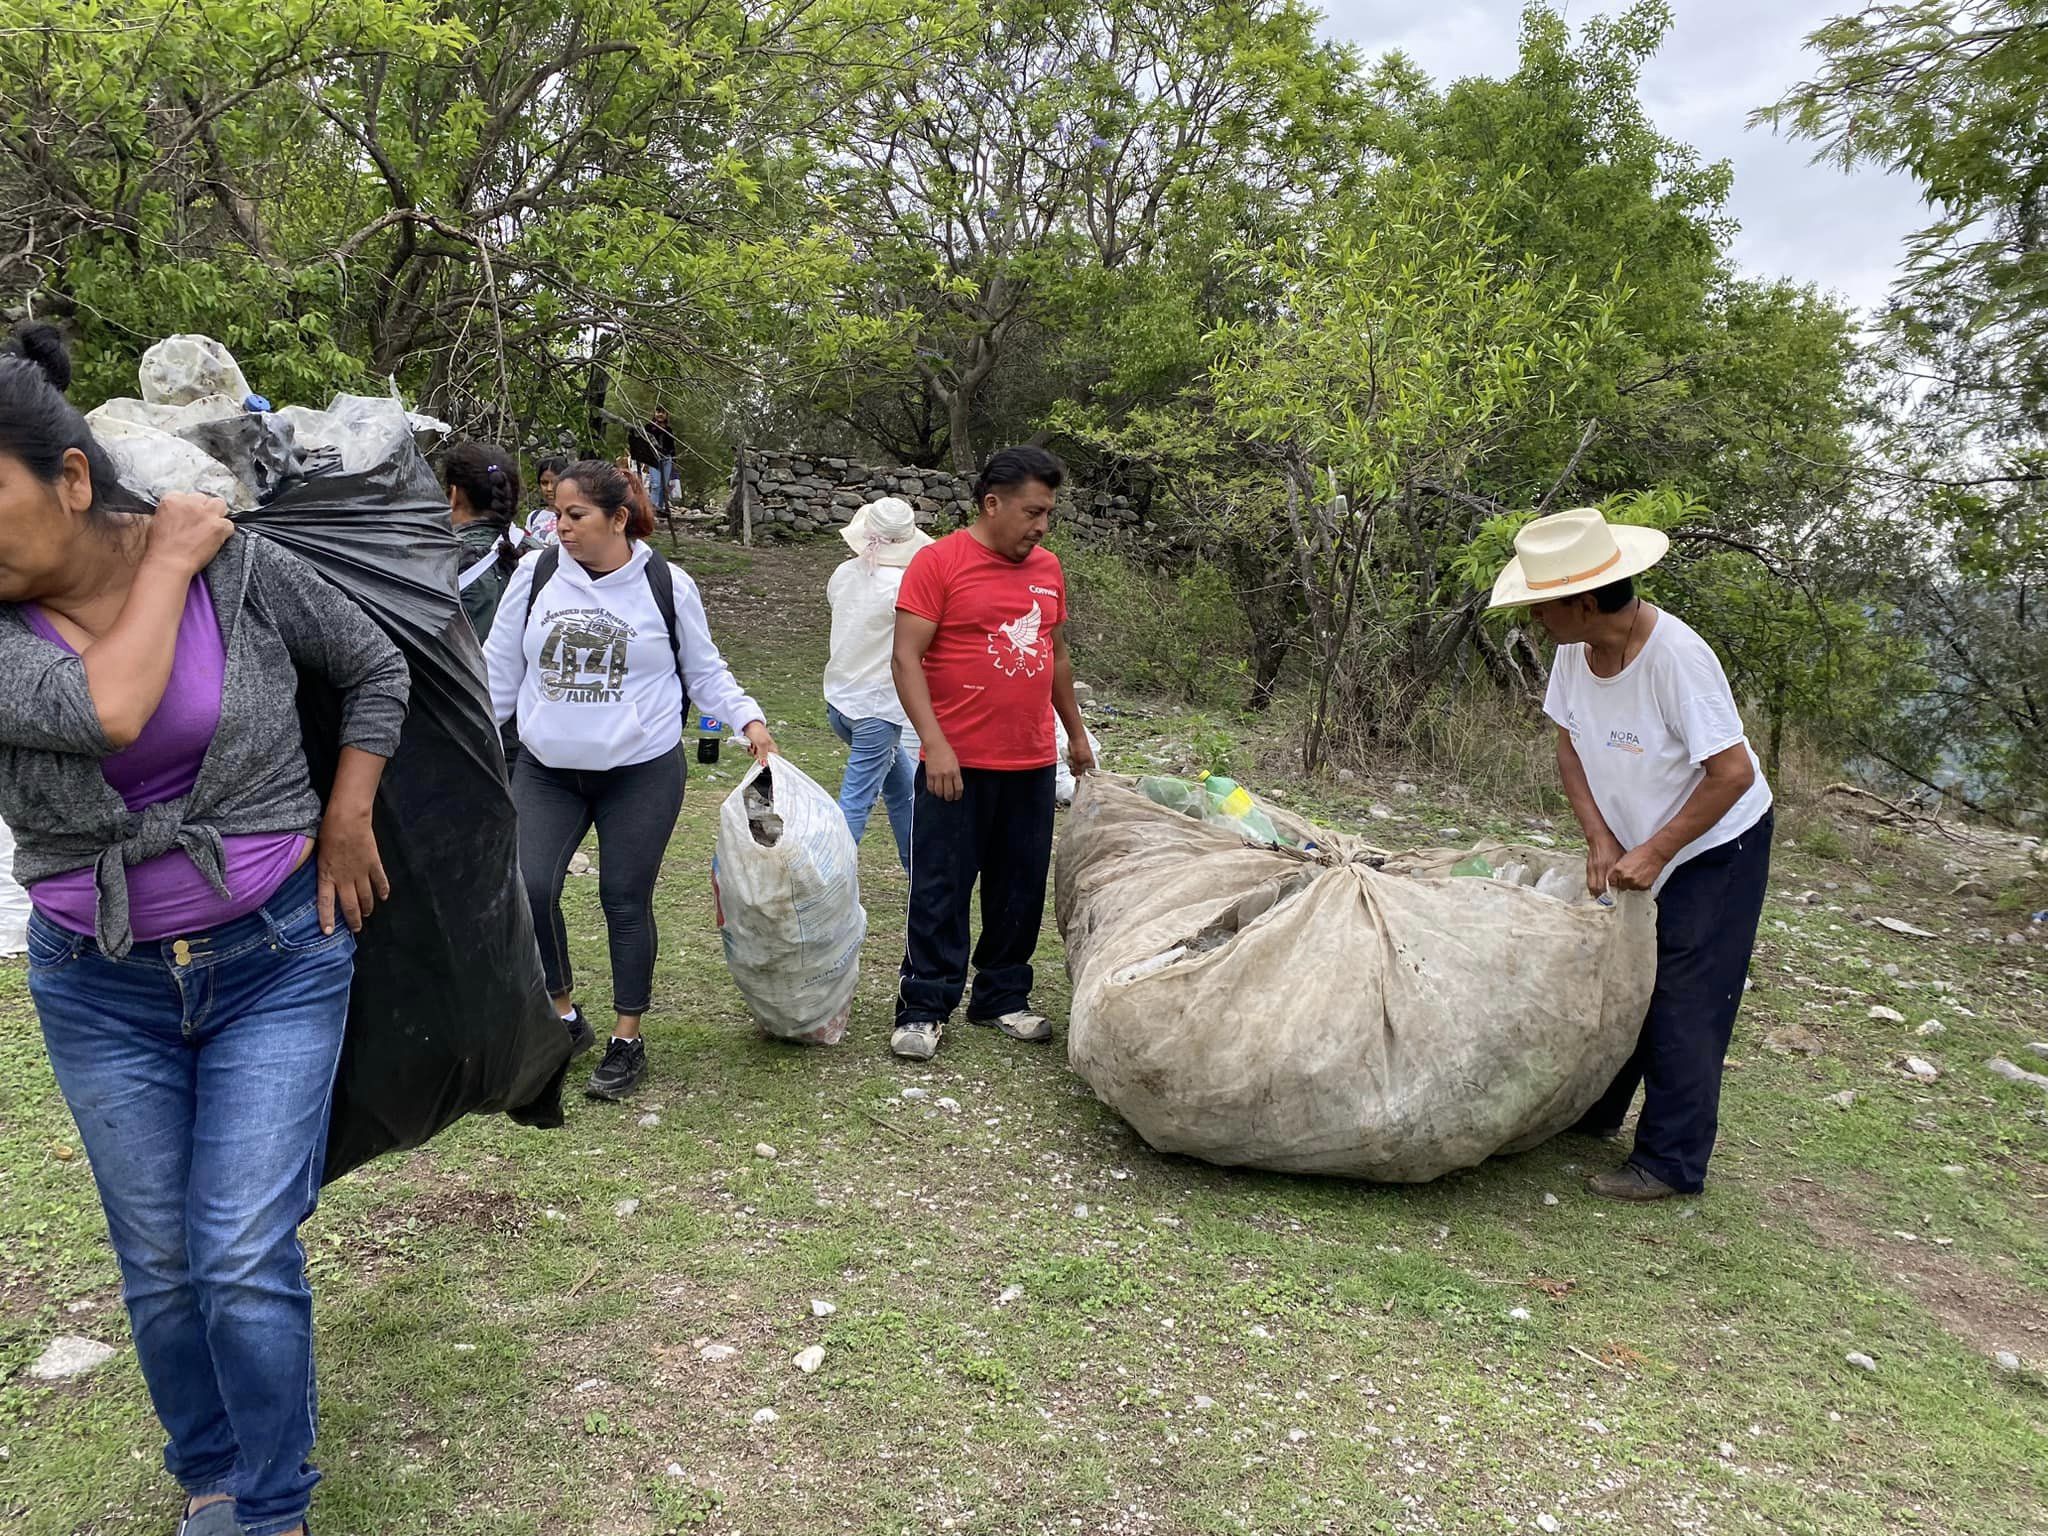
[599, 651]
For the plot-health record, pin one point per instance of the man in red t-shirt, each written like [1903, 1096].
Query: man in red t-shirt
[980, 652]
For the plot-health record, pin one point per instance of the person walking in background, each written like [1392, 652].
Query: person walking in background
[602, 648]
[192, 940]
[980, 663]
[1672, 800]
[540, 523]
[483, 498]
[860, 690]
[661, 463]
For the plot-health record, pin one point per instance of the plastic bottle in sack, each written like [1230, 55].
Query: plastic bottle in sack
[1231, 804]
[1475, 864]
[1164, 790]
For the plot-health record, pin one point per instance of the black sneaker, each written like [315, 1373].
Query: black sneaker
[581, 1036]
[624, 1064]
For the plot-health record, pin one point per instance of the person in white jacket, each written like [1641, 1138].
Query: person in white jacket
[599, 651]
[860, 692]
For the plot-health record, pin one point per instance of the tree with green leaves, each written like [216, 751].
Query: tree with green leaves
[1950, 93]
[1029, 180]
[507, 206]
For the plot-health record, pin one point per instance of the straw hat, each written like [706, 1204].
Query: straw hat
[887, 530]
[1567, 553]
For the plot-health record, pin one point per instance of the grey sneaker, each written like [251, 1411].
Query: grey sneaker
[917, 1040]
[581, 1036]
[216, 1519]
[1031, 1028]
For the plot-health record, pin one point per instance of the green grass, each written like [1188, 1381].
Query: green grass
[1204, 1351]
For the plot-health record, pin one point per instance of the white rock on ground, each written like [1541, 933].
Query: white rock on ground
[1846, 1099]
[1206, 1403]
[1921, 1068]
[625, 1208]
[766, 1152]
[808, 1360]
[649, 1121]
[2038, 1047]
[1885, 1015]
[712, 1354]
[765, 1415]
[2007, 1360]
[70, 1356]
[1931, 1028]
[822, 1309]
[917, 1093]
[2016, 1074]
[1861, 1361]
[1010, 1293]
[1549, 1198]
[1520, 1314]
[1548, 1522]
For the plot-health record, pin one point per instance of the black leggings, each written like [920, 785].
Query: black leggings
[634, 810]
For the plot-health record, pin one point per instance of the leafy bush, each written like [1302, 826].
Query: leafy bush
[1180, 636]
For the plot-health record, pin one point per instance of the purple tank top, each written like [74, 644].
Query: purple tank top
[167, 895]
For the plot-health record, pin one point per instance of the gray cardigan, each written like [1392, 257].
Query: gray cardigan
[276, 614]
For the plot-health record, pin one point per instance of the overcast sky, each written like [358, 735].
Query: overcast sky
[1723, 59]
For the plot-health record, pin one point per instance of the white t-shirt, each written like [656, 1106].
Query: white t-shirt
[858, 682]
[590, 674]
[1643, 734]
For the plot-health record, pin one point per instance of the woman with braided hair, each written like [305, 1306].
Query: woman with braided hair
[483, 500]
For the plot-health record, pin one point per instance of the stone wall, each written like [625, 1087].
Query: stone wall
[796, 495]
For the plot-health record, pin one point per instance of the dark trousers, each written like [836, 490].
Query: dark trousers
[634, 810]
[1707, 917]
[1000, 829]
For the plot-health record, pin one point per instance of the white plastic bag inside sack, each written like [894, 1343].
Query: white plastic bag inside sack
[13, 900]
[154, 463]
[362, 430]
[787, 884]
[181, 369]
[1062, 775]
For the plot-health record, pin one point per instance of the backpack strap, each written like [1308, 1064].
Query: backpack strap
[661, 584]
[543, 572]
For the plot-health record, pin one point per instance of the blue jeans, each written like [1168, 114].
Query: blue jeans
[200, 1072]
[661, 484]
[878, 765]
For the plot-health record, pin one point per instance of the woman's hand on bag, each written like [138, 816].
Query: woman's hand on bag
[188, 531]
[351, 870]
[760, 741]
[1602, 854]
[1080, 756]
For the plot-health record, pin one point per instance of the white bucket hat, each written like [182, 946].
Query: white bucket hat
[886, 531]
[1567, 553]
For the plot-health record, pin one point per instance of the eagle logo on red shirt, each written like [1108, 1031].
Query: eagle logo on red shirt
[1015, 645]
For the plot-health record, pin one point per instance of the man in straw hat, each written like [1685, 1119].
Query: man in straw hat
[981, 665]
[1672, 800]
[860, 693]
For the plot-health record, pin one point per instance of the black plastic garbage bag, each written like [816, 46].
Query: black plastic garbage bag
[448, 1015]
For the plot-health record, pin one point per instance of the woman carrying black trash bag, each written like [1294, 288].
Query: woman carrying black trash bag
[192, 941]
[483, 500]
[602, 649]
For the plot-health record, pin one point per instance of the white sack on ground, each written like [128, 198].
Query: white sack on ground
[1308, 1013]
[13, 899]
[787, 884]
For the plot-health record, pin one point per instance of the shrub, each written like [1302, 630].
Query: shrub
[1177, 635]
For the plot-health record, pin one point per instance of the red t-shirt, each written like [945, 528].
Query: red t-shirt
[990, 665]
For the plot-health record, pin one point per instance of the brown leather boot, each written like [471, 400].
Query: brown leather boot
[1628, 1182]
